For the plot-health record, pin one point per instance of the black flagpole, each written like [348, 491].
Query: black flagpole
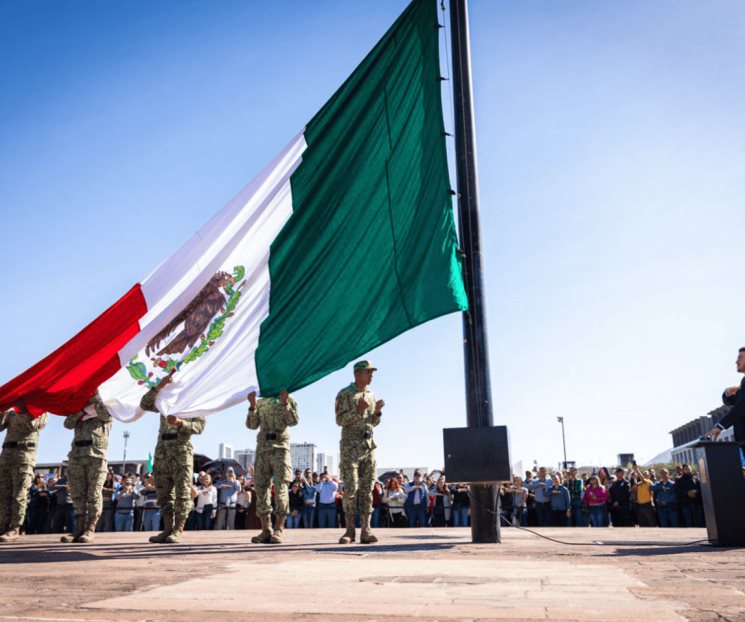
[484, 508]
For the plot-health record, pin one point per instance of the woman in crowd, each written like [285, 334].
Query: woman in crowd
[296, 506]
[596, 497]
[38, 505]
[461, 505]
[205, 502]
[441, 504]
[519, 502]
[605, 479]
[377, 504]
[106, 523]
[395, 498]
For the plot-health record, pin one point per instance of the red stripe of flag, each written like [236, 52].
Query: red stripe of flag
[62, 382]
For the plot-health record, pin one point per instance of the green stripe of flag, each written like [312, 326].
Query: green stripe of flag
[370, 249]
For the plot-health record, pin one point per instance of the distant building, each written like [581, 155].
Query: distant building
[695, 429]
[244, 457]
[325, 460]
[225, 451]
[666, 457]
[303, 456]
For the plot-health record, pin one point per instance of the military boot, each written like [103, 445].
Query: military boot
[265, 537]
[11, 535]
[90, 531]
[366, 536]
[79, 527]
[348, 536]
[178, 530]
[277, 535]
[167, 528]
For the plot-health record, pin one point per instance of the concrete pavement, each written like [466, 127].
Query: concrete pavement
[434, 574]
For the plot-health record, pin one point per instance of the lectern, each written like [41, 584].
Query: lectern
[722, 491]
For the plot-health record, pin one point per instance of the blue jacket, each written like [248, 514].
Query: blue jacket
[560, 498]
[423, 495]
[667, 495]
[309, 494]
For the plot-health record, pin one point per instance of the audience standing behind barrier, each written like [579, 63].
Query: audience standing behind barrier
[643, 498]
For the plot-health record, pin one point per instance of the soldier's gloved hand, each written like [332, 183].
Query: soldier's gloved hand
[174, 420]
[379, 406]
[283, 397]
[252, 399]
[362, 405]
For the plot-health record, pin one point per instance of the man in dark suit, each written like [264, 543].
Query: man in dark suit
[735, 397]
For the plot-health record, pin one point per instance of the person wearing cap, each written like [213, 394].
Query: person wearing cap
[357, 412]
[87, 466]
[272, 416]
[173, 467]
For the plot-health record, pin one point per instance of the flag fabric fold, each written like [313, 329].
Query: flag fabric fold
[344, 241]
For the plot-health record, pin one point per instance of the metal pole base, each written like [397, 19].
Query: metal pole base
[485, 527]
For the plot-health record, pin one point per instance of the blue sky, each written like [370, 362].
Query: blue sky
[611, 146]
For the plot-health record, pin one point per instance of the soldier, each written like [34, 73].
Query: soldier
[86, 471]
[272, 417]
[17, 462]
[173, 467]
[358, 413]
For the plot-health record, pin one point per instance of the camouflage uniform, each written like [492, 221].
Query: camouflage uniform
[87, 466]
[272, 418]
[173, 470]
[357, 447]
[17, 462]
[357, 460]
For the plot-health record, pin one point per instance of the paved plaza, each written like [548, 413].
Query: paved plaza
[624, 575]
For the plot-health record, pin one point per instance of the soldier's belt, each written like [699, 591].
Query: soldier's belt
[15, 444]
[83, 443]
[367, 434]
[169, 437]
[271, 436]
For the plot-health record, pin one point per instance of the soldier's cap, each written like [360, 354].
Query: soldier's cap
[364, 365]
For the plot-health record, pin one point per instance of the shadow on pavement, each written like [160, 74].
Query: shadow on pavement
[46, 554]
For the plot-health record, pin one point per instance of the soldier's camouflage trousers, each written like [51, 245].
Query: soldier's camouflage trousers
[277, 464]
[86, 475]
[173, 479]
[358, 475]
[16, 476]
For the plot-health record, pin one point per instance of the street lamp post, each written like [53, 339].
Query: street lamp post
[124, 461]
[563, 439]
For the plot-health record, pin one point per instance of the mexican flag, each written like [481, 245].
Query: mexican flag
[345, 240]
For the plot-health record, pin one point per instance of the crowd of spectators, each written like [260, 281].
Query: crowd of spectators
[560, 499]
[625, 498]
